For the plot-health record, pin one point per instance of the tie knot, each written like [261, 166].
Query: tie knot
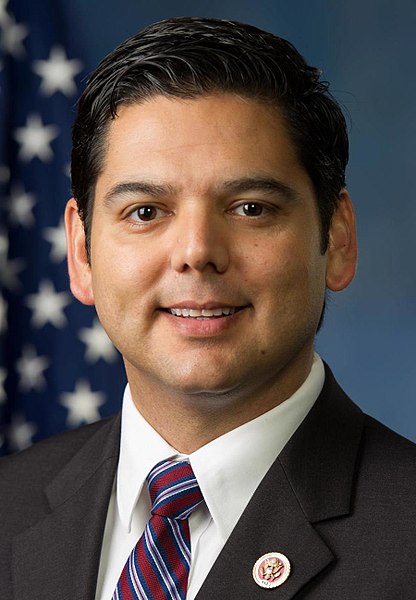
[174, 490]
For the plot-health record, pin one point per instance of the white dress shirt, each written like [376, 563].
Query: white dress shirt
[228, 470]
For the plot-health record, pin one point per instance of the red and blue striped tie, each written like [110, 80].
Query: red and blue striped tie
[158, 567]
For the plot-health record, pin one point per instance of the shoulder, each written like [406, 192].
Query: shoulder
[378, 444]
[378, 435]
[379, 463]
[388, 461]
[35, 467]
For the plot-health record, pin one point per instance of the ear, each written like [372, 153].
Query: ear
[78, 265]
[342, 248]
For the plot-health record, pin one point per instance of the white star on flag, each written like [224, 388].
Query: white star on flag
[20, 207]
[3, 375]
[98, 344]
[82, 404]
[21, 433]
[12, 36]
[30, 368]
[35, 139]
[48, 305]
[56, 236]
[57, 72]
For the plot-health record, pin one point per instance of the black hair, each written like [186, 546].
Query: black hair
[187, 57]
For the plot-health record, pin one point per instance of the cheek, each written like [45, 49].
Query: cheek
[293, 276]
[121, 267]
[280, 266]
[119, 283]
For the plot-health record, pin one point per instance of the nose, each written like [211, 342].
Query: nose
[200, 243]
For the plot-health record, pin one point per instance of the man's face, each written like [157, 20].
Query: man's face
[206, 269]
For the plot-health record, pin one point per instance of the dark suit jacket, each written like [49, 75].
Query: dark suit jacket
[339, 502]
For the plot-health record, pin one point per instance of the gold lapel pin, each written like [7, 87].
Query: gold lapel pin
[271, 570]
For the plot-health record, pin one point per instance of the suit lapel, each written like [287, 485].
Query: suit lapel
[59, 556]
[272, 522]
[310, 481]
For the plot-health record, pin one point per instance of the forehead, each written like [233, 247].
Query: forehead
[199, 140]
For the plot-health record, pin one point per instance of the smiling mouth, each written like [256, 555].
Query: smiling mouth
[204, 313]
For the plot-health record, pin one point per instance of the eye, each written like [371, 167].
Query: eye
[250, 209]
[146, 213]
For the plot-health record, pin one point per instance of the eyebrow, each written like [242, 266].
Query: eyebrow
[137, 187]
[236, 186]
[260, 184]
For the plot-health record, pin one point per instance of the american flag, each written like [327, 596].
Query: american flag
[58, 369]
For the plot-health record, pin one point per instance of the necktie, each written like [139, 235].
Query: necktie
[158, 566]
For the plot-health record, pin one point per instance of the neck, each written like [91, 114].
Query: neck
[189, 421]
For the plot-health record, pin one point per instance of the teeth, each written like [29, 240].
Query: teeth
[205, 312]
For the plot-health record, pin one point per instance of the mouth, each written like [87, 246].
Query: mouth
[204, 314]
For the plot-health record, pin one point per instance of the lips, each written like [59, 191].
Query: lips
[203, 313]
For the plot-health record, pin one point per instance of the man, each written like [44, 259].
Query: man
[209, 218]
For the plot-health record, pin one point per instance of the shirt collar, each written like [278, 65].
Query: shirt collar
[228, 469]
[141, 448]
